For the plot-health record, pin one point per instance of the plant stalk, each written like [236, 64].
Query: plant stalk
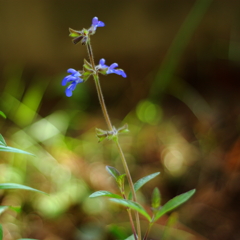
[147, 232]
[108, 121]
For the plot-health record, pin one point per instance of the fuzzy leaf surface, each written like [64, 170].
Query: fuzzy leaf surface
[142, 181]
[133, 205]
[104, 194]
[113, 171]
[14, 150]
[7, 186]
[174, 203]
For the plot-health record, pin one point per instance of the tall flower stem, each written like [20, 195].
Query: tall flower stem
[148, 230]
[108, 121]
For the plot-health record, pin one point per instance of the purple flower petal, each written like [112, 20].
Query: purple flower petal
[97, 23]
[68, 92]
[71, 70]
[101, 24]
[114, 65]
[102, 61]
[94, 21]
[74, 79]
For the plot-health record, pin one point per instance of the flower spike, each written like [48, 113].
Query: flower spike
[73, 79]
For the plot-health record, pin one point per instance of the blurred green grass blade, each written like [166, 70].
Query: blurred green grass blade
[2, 140]
[142, 181]
[7, 186]
[169, 64]
[3, 115]
[133, 205]
[14, 150]
[104, 194]
[3, 208]
[1, 232]
[27, 239]
[174, 203]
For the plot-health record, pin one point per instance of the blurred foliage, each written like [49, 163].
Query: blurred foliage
[190, 133]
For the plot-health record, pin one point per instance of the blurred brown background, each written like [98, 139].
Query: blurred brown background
[181, 101]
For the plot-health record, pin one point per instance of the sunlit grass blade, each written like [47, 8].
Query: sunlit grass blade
[3, 208]
[3, 115]
[14, 150]
[174, 203]
[104, 194]
[27, 239]
[142, 181]
[8, 186]
[133, 205]
[2, 141]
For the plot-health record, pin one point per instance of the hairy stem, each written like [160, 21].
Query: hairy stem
[108, 121]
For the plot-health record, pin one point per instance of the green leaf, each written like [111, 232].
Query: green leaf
[123, 129]
[27, 239]
[113, 171]
[130, 237]
[3, 208]
[16, 209]
[7, 186]
[174, 203]
[133, 205]
[2, 114]
[142, 181]
[120, 181]
[14, 150]
[104, 194]
[1, 232]
[2, 141]
[156, 198]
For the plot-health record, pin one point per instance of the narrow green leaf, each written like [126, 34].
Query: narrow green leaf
[74, 34]
[3, 115]
[123, 129]
[16, 209]
[113, 171]
[7, 186]
[104, 194]
[174, 203]
[14, 150]
[3, 208]
[87, 63]
[1, 232]
[27, 239]
[2, 141]
[142, 181]
[133, 205]
[156, 198]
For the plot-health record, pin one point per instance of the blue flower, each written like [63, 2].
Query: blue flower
[73, 79]
[96, 23]
[111, 68]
